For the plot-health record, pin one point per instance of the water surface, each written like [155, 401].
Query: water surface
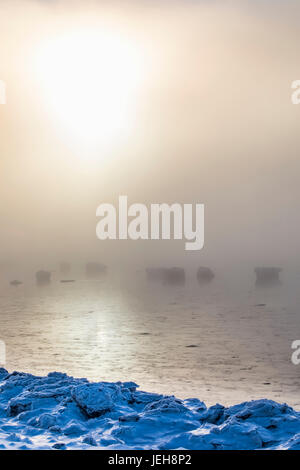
[189, 341]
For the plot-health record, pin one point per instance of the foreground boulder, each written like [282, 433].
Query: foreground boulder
[62, 412]
[94, 399]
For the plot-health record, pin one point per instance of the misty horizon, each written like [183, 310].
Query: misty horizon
[213, 123]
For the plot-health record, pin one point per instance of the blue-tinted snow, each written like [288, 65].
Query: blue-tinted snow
[61, 412]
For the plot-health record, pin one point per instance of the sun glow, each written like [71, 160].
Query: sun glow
[91, 83]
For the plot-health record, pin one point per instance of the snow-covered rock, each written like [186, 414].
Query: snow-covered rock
[61, 412]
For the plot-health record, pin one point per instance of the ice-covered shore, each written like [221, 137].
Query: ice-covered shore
[61, 412]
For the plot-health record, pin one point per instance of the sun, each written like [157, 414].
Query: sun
[90, 82]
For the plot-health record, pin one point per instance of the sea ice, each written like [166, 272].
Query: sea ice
[62, 412]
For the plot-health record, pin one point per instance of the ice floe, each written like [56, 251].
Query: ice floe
[62, 412]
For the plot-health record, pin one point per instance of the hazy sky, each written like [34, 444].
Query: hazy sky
[211, 121]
